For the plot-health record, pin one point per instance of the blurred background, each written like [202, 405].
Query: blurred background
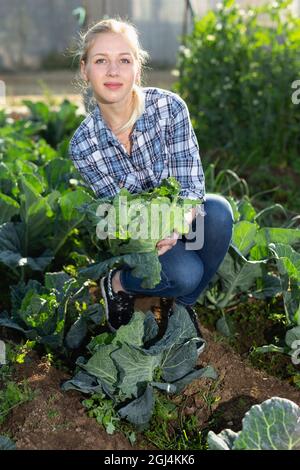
[36, 35]
[235, 62]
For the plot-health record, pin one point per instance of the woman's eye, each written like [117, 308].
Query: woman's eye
[102, 61]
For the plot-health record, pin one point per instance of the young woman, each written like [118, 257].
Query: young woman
[133, 138]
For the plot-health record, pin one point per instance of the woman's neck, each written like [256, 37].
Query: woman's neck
[116, 114]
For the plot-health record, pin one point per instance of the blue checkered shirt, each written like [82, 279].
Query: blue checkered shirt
[163, 144]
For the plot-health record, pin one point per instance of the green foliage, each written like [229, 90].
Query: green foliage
[12, 394]
[170, 429]
[132, 224]
[127, 371]
[44, 226]
[102, 409]
[58, 315]
[249, 267]
[261, 263]
[272, 425]
[43, 205]
[56, 125]
[39, 190]
[236, 73]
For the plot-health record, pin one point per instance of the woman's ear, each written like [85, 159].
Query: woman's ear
[83, 71]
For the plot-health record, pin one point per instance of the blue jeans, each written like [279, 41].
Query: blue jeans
[185, 272]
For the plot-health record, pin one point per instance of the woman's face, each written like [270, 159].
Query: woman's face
[111, 68]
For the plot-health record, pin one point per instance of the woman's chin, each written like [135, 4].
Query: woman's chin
[108, 99]
[111, 98]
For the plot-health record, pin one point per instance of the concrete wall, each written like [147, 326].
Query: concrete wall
[34, 33]
[32, 29]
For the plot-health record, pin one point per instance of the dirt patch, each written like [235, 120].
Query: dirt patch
[56, 420]
[223, 403]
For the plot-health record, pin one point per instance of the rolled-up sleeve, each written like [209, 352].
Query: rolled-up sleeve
[185, 164]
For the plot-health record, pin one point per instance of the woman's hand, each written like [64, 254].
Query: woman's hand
[167, 243]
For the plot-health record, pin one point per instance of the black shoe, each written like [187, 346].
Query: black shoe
[200, 343]
[119, 307]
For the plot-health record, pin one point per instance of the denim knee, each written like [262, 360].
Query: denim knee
[218, 211]
[186, 278]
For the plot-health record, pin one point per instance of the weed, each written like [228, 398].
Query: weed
[103, 410]
[171, 429]
[16, 353]
[13, 395]
[52, 413]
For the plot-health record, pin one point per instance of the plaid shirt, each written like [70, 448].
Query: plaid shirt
[163, 144]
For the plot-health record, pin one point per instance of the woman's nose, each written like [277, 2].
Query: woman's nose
[113, 69]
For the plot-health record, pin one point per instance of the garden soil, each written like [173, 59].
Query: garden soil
[57, 420]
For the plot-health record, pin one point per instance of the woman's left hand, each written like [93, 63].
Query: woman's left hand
[167, 243]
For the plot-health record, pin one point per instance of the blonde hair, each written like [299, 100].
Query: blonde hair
[113, 25]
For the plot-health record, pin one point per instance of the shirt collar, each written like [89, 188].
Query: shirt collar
[143, 124]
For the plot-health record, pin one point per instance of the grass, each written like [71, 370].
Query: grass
[171, 429]
[12, 394]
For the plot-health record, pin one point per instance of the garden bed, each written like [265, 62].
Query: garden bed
[54, 419]
[50, 293]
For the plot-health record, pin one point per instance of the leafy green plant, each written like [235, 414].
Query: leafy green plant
[56, 124]
[125, 369]
[132, 224]
[19, 352]
[225, 182]
[272, 425]
[12, 394]
[39, 196]
[236, 73]
[252, 265]
[288, 262]
[102, 409]
[261, 264]
[169, 429]
[44, 226]
[48, 314]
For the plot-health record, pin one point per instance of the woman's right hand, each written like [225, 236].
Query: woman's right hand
[167, 243]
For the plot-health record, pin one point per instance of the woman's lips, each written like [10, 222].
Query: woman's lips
[113, 86]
